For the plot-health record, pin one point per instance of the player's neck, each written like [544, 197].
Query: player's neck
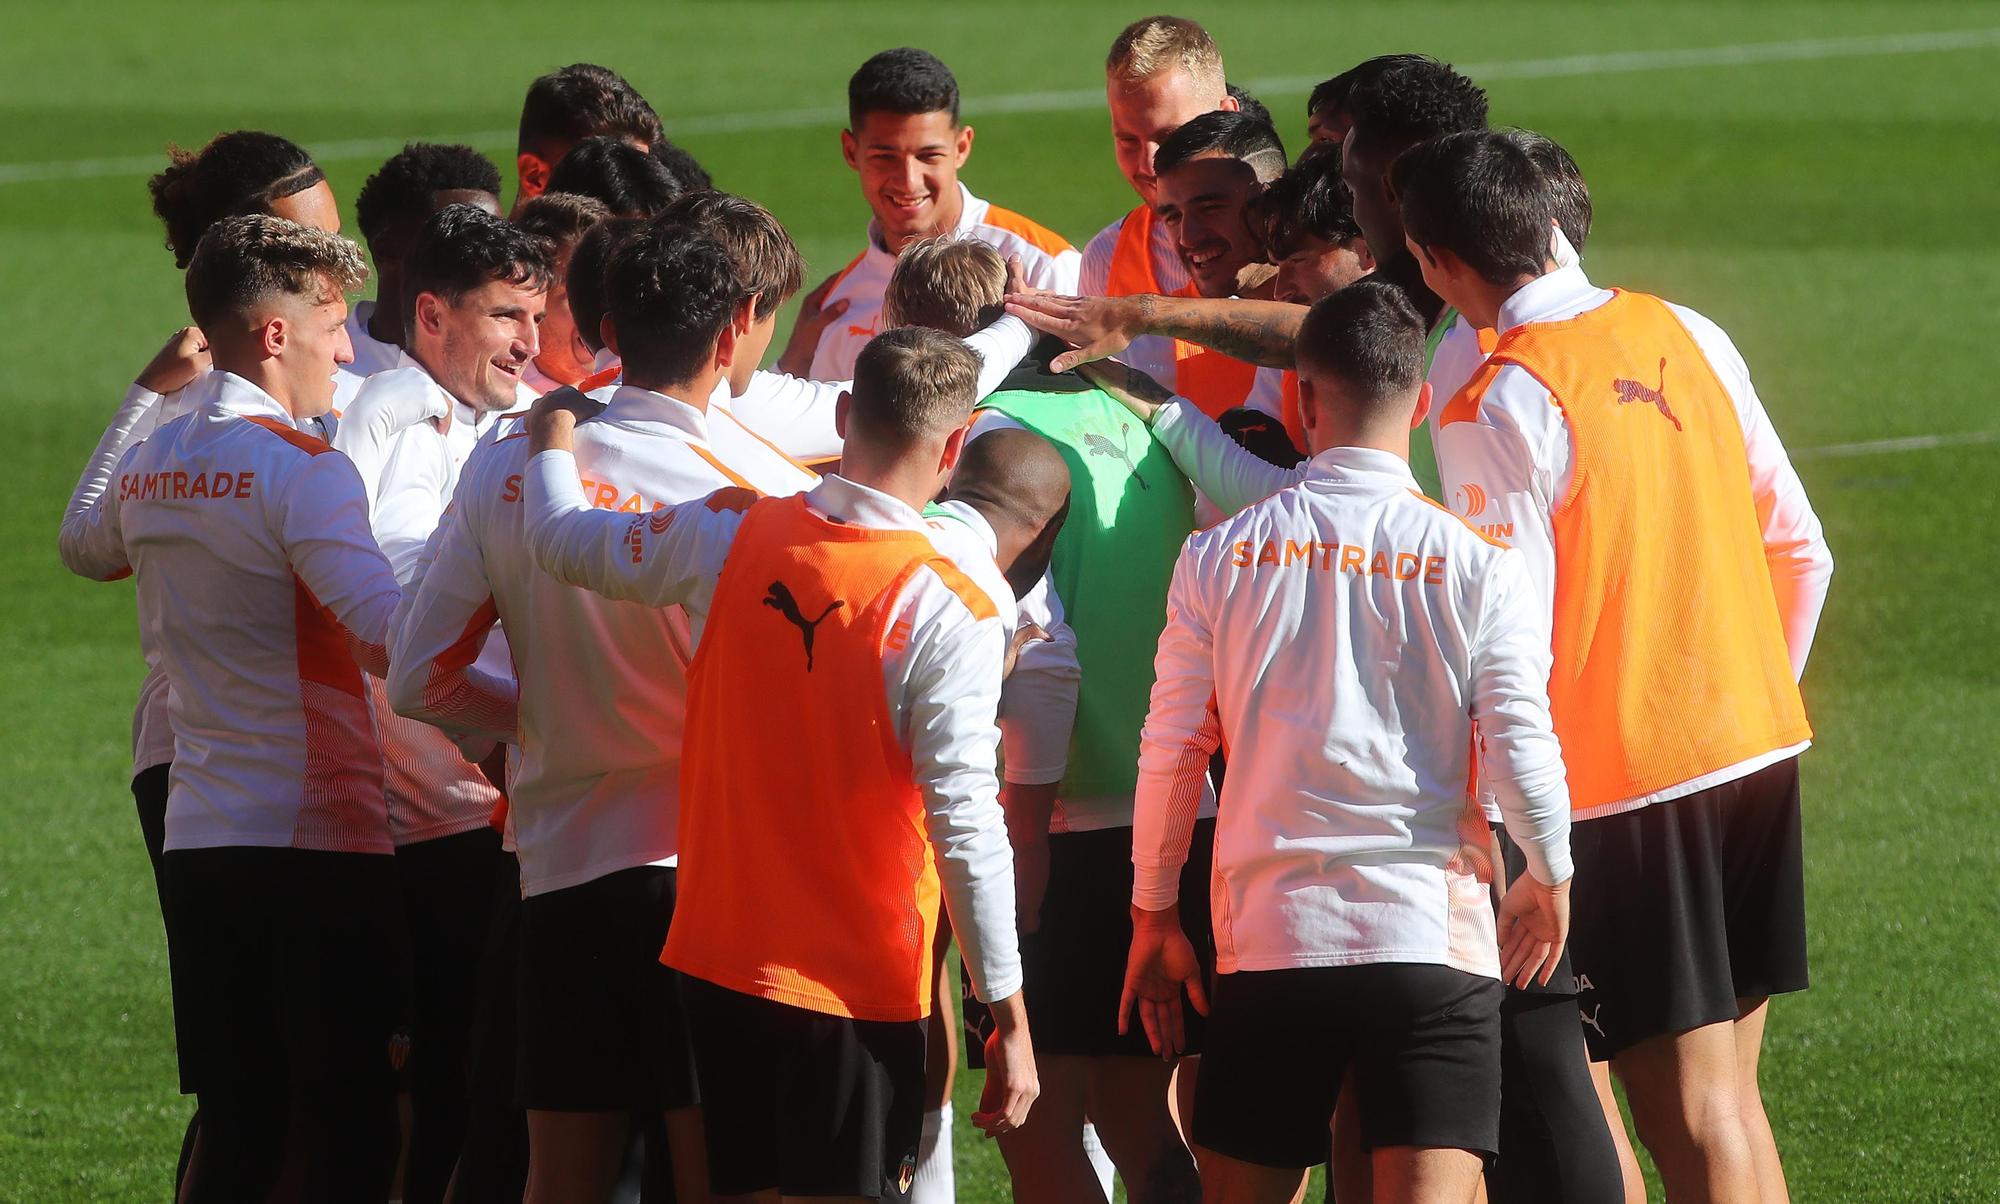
[259, 370]
[904, 479]
[695, 391]
[385, 323]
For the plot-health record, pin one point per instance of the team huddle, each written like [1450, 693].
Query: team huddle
[1329, 667]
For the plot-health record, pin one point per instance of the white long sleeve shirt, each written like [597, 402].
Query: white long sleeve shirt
[1152, 354]
[943, 685]
[1508, 466]
[260, 588]
[602, 684]
[1047, 262]
[371, 355]
[1348, 638]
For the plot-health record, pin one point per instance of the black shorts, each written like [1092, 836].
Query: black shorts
[805, 1103]
[447, 901]
[1073, 967]
[1563, 981]
[601, 1025]
[1423, 1043]
[289, 965]
[493, 1034]
[1682, 908]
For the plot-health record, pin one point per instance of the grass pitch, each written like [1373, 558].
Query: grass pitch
[1822, 202]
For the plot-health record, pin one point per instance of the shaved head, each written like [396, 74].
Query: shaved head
[1018, 483]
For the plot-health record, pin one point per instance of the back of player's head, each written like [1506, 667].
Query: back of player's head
[1249, 105]
[1363, 348]
[911, 386]
[406, 187]
[1309, 201]
[954, 284]
[1227, 134]
[561, 217]
[630, 182]
[767, 260]
[240, 172]
[903, 81]
[670, 290]
[463, 248]
[1415, 99]
[1334, 93]
[243, 263]
[1018, 482]
[1481, 196]
[585, 278]
[686, 170]
[1147, 47]
[581, 101]
[1568, 192]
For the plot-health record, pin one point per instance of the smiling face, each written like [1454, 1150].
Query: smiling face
[1204, 204]
[1144, 112]
[908, 163]
[477, 348]
[1316, 268]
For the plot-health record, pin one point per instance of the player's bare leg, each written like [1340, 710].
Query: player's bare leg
[1614, 1120]
[1682, 1089]
[687, 1146]
[1226, 1180]
[1416, 1175]
[1751, 1014]
[1045, 1157]
[935, 1182]
[1350, 1168]
[1127, 1101]
[575, 1157]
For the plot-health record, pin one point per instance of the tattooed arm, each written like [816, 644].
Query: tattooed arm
[1257, 332]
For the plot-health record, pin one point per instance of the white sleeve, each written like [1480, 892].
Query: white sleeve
[1038, 699]
[87, 524]
[1180, 735]
[1520, 757]
[1000, 348]
[1795, 547]
[1506, 470]
[321, 521]
[442, 625]
[1229, 476]
[793, 412]
[668, 556]
[1059, 273]
[1094, 270]
[371, 424]
[949, 701]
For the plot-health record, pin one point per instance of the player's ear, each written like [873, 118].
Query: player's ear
[608, 331]
[964, 144]
[534, 174]
[724, 354]
[430, 313]
[274, 336]
[954, 447]
[1423, 410]
[841, 406]
[1308, 405]
[850, 149]
[1364, 255]
[1229, 104]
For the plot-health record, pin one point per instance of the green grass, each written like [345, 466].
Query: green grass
[1828, 213]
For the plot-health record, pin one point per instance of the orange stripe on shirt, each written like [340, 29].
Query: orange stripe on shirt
[1039, 236]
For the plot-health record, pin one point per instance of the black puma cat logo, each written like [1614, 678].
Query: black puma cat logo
[780, 599]
[1630, 391]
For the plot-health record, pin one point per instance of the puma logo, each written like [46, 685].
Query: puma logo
[780, 599]
[1630, 391]
[1098, 445]
[1591, 1019]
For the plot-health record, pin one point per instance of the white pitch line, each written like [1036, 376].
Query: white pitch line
[1746, 54]
[1877, 447]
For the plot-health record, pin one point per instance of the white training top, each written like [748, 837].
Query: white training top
[1152, 354]
[1047, 261]
[260, 589]
[1350, 635]
[943, 686]
[603, 687]
[371, 355]
[1514, 460]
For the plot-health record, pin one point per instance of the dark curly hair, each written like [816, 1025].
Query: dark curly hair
[1417, 99]
[463, 247]
[405, 186]
[237, 173]
[630, 182]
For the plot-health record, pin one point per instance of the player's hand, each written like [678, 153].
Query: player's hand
[555, 416]
[1534, 924]
[183, 358]
[1012, 1084]
[1096, 327]
[1161, 963]
[1128, 386]
[815, 315]
[1024, 635]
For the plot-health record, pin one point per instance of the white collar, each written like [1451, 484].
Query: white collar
[1360, 465]
[972, 520]
[630, 403]
[1566, 288]
[846, 501]
[233, 395]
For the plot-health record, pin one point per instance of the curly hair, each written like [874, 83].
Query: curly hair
[243, 171]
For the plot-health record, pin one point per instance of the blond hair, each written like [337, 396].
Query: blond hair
[953, 283]
[241, 262]
[911, 385]
[1157, 44]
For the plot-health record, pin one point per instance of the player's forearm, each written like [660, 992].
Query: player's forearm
[1521, 757]
[1228, 475]
[1000, 348]
[1256, 332]
[1180, 735]
[81, 553]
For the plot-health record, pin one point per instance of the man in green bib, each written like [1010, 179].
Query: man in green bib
[1070, 782]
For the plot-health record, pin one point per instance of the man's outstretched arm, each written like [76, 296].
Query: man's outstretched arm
[1256, 332]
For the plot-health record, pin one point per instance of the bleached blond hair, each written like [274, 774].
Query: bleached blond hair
[954, 283]
[1157, 44]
